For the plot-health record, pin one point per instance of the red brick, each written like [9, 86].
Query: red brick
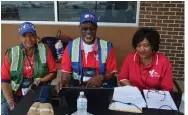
[181, 41]
[161, 47]
[168, 21]
[156, 20]
[180, 5]
[152, 2]
[180, 62]
[164, 51]
[173, 33]
[180, 55]
[163, 9]
[141, 24]
[176, 44]
[176, 1]
[170, 47]
[180, 48]
[167, 29]
[174, 58]
[151, 16]
[142, 16]
[157, 13]
[166, 36]
[150, 24]
[145, 4]
[169, 13]
[179, 21]
[145, 12]
[171, 40]
[175, 9]
[157, 28]
[162, 25]
[174, 51]
[170, 5]
[142, 8]
[173, 25]
[151, 9]
[162, 17]
[157, 5]
[181, 33]
[166, 44]
[174, 17]
[177, 37]
[164, 1]
[182, 25]
[180, 13]
[144, 20]
[162, 32]
[182, 10]
[178, 29]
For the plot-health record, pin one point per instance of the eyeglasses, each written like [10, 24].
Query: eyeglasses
[158, 92]
[88, 28]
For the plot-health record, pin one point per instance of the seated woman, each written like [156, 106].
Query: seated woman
[25, 65]
[145, 68]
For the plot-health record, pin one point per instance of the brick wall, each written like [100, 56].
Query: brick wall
[168, 18]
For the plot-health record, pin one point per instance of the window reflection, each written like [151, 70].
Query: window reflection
[107, 11]
[27, 10]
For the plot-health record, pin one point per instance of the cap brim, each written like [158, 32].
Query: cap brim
[88, 21]
[28, 30]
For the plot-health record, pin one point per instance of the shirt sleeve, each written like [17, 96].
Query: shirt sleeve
[167, 81]
[124, 72]
[51, 62]
[5, 70]
[111, 64]
[66, 65]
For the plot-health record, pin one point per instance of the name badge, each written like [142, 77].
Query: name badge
[24, 91]
[88, 73]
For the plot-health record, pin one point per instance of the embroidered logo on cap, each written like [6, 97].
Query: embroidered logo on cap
[88, 16]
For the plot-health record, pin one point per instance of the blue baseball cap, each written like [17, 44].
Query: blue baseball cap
[27, 27]
[88, 17]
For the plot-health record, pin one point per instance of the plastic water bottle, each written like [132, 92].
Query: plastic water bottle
[81, 104]
[181, 108]
[59, 49]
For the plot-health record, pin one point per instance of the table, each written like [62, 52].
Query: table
[61, 107]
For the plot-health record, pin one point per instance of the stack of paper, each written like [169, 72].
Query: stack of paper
[159, 100]
[127, 94]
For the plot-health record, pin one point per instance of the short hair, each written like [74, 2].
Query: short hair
[150, 34]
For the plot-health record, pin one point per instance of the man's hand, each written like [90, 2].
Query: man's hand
[95, 81]
[60, 85]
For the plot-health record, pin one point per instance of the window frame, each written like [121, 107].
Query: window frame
[56, 22]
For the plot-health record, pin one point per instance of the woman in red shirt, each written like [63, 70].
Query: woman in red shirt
[145, 68]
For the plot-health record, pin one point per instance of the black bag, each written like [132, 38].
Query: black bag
[51, 41]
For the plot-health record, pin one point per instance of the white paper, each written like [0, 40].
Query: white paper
[156, 100]
[24, 91]
[128, 94]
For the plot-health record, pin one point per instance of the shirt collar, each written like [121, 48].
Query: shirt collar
[155, 58]
[95, 45]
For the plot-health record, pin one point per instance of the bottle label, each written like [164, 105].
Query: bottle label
[82, 105]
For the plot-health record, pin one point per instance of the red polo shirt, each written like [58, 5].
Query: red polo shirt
[91, 60]
[156, 75]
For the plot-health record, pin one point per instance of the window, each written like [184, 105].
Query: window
[27, 10]
[107, 11]
[113, 13]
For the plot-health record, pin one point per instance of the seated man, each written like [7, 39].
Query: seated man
[88, 61]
